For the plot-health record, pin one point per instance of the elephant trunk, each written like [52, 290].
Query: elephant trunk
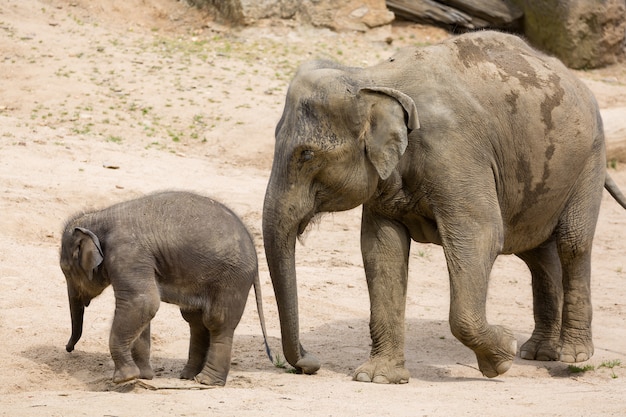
[280, 230]
[77, 312]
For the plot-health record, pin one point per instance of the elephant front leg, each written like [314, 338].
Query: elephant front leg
[127, 340]
[385, 248]
[141, 354]
[470, 255]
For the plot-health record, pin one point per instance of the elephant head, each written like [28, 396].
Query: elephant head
[81, 255]
[339, 134]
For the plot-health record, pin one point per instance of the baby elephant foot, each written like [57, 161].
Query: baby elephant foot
[382, 371]
[190, 372]
[209, 377]
[126, 373]
[146, 372]
[539, 348]
[496, 359]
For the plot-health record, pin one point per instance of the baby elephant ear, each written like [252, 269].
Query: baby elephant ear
[88, 252]
[388, 116]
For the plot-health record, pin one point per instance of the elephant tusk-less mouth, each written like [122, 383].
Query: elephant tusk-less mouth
[304, 224]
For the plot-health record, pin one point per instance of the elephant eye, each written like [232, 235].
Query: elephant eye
[306, 155]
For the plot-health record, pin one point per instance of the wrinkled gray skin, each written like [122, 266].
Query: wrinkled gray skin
[479, 144]
[176, 247]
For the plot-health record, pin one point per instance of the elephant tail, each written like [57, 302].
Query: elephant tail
[614, 190]
[259, 307]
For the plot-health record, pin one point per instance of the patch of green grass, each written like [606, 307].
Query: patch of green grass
[115, 139]
[279, 361]
[574, 369]
[610, 364]
[82, 130]
[174, 135]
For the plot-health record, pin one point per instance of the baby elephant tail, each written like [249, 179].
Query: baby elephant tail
[614, 190]
[259, 307]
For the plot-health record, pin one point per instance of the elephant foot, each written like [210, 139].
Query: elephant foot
[578, 349]
[190, 372]
[146, 373]
[208, 377]
[539, 348]
[498, 358]
[127, 373]
[382, 371]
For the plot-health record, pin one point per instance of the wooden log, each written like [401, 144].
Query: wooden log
[430, 11]
[467, 14]
[499, 13]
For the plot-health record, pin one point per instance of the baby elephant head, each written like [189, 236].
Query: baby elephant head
[81, 255]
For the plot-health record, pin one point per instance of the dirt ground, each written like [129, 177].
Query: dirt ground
[104, 101]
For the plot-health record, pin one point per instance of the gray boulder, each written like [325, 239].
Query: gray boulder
[581, 33]
[335, 14]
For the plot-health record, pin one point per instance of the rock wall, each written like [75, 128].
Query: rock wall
[335, 14]
[582, 33]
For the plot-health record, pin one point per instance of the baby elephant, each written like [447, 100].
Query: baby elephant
[177, 247]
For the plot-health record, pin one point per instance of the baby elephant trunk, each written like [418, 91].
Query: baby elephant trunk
[77, 311]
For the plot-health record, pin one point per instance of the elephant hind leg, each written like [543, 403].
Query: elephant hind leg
[574, 239]
[545, 269]
[221, 317]
[574, 242]
[217, 366]
[199, 342]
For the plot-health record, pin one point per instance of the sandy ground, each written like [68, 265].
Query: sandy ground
[99, 104]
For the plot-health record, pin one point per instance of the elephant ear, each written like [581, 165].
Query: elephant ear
[87, 253]
[389, 116]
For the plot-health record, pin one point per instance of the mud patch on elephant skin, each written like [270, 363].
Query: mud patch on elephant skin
[511, 99]
[551, 102]
[518, 67]
[470, 52]
[532, 194]
[509, 65]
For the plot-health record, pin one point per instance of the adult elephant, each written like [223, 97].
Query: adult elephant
[479, 144]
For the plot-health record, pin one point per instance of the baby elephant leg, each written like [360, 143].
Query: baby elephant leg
[198, 344]
[221, 320]
[130, 333]
[217, 365]
[141, 354]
